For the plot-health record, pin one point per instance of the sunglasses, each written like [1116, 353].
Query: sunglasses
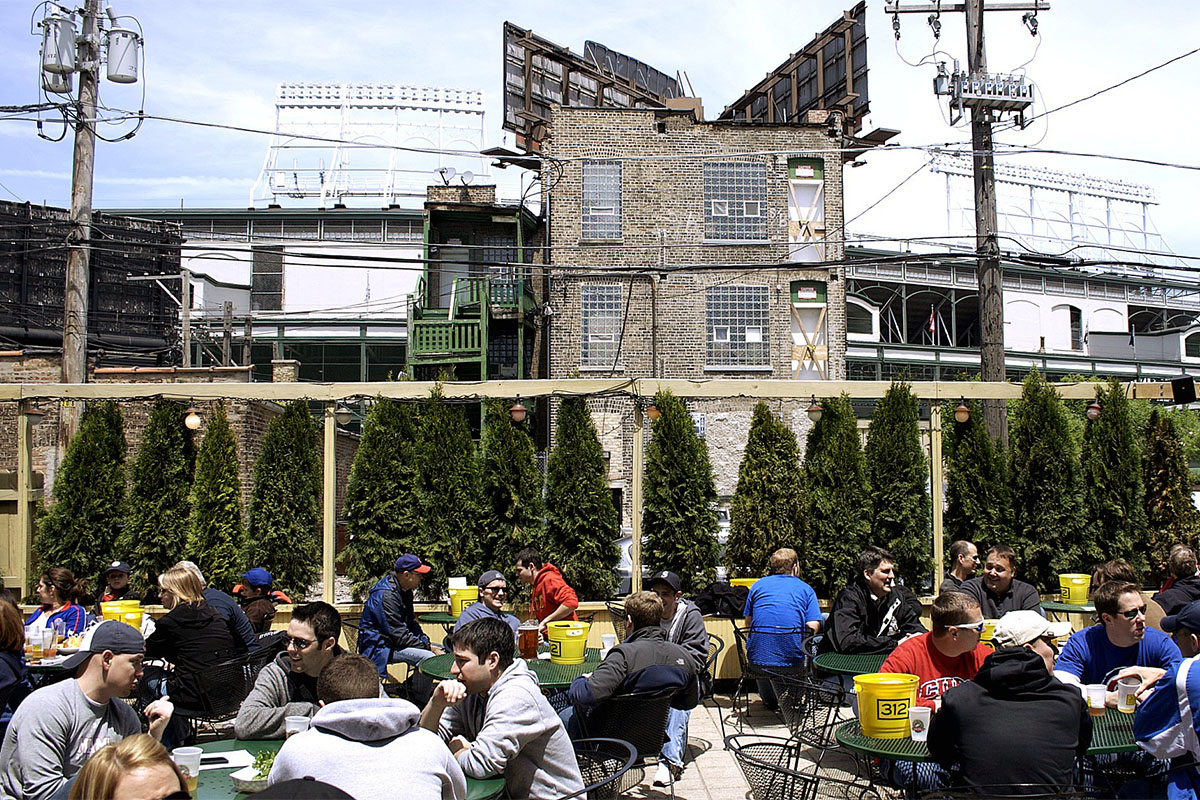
[299, 644]
[970, 626]
[497, 589]
[1133, 613]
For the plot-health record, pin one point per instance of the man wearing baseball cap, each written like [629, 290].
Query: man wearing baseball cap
[58, 727]
[683, 625]
[388, 629]
[116, 584]
[493, 594]
[1014, 690]
[1162, 721]
[257, 599]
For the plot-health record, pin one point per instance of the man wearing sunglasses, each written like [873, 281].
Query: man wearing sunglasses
[1014, 685]
[1099, 653]
[493, 594]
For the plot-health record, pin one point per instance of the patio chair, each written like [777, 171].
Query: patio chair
[602, 764]
[708, 680]
[616, 612]
[1010, 791]
[350, 634]
[751, 672]
[637, 718]
[773, 769]
[223, 687]
[809, 708]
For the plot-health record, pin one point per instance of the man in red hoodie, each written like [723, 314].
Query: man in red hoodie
[552, 598]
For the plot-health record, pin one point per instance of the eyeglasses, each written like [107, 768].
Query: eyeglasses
[496, 589]
[1133, 613]
[970, 626]
[299, 644]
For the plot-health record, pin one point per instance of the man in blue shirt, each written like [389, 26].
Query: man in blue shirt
[493, 592]
[778, 608]
[1098, 653]
[1167, 723]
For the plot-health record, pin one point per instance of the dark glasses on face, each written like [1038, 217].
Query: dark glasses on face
[1133, 613]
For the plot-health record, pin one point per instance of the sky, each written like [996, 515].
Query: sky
[220, 61]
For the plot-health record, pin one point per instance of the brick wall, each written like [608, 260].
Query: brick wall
[663, 301]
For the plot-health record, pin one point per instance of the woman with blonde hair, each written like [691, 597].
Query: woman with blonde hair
[193, 636]
[135, 768]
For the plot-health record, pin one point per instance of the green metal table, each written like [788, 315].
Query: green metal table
[849, 663]
[1058, 611]
[549, 674]
[443, 618]
[215, 784]
[1112, 733]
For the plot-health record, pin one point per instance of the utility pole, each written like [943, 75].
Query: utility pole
[227, 335]
[185, 301]
[75, 300]
[967, 91]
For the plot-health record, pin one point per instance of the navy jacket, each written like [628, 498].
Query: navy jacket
[233, 614]
[388, 623]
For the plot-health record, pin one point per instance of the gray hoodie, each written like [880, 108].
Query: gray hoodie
[364, 747]
[514, 731]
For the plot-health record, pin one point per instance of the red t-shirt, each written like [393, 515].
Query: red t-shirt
[937, 673]
[549, 592]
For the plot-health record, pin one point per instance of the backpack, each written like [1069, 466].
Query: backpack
[722, 599]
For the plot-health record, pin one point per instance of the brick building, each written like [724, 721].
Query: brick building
[677, 251]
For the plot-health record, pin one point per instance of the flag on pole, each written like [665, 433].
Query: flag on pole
[932, 322]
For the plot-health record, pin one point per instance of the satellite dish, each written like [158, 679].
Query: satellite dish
[447, 174]
[467, 177]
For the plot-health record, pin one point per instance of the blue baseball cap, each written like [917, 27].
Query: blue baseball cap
[410, 563]
[258, 577]
[1188, 617]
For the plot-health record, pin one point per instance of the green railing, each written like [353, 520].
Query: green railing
[445, 337]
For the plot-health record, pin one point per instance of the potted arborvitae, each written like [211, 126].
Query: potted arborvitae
[977, 502]
[766, 512]
[1113, 499]
[679, 517]
[215, 535]
[381, 493]
[1170, 514]
[512, 489]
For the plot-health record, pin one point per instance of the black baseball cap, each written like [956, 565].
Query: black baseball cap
[109, 635]
[1188, 617]
[118, 566]
[667, 577]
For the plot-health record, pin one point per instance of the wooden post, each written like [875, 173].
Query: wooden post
[635, 583]
[21, 553]
[329, 539]
[935, 487]
[227, 334]
[185, 300]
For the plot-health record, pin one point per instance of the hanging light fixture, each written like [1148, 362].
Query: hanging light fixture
[652, 411]
[518, 412]
[1093, 409]
[815, 411]
[962, 411]
[34, 415]
[343, 415]
[192, 420]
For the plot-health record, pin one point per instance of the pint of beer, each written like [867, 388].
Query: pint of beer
[527, 639]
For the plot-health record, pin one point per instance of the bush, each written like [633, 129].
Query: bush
[768, 505]
[1112, 482]
[680, 494]
[1170, 515]
[978, 508]
[284, 506]
[450, 499]
[512, 489]
[1044, 484]
[157, 506]
[581, 521]
[215, 536]
[837, 504]
[381, 494]
[898, 475]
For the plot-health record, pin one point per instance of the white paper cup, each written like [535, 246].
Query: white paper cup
[608, 640]
[297, 724]
[918, 722]
[1127, 694]
[1096, 693]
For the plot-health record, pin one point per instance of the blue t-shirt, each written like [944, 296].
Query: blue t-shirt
[779, 602]
[1090, 656]
[478, 610]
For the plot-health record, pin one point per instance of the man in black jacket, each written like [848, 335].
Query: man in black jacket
[1014, 691]
[1185, 588]
[645, 663]
[873, 614]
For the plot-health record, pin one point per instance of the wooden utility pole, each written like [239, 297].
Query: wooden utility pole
[988, 273]
[227, 335]
[75, 298]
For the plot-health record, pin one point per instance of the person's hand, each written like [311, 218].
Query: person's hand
[158, 714]
[450, 692]
[458, 744]
[1147, 675]
[1110, 699]
[437, 649]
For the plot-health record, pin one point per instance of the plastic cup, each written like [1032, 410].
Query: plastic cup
[527, 639]
[918, 722]
[1095, 699]
[608, 640]
[1127, 694]
[293, 725]
[188, 761]
[49, 643]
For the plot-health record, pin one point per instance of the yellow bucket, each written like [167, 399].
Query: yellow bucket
[747, 582]
[461, 598]
[568, 641]
[127, 611]
[883, 702]
[1074, 588]
[989, 630]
